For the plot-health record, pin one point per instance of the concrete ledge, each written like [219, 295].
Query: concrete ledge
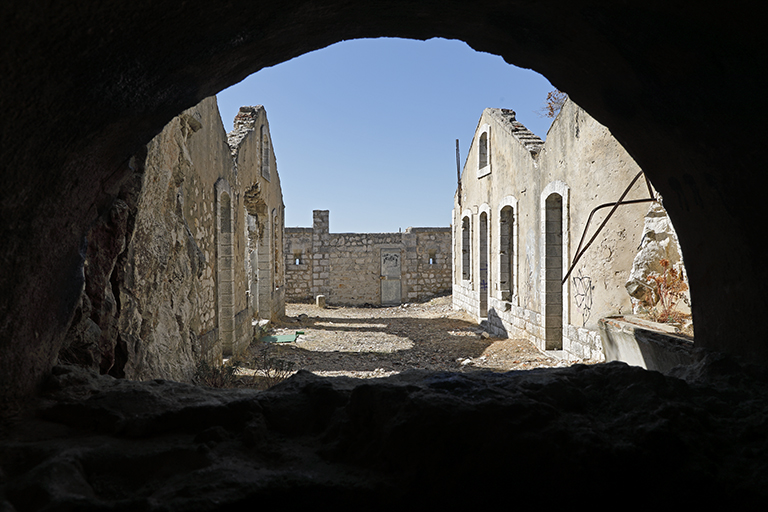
[639, 342]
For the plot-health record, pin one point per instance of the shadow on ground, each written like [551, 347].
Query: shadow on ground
[384, 343]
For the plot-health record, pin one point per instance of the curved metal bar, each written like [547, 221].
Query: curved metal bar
[579, 251]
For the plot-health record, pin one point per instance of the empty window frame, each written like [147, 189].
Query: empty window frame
[466, 249]
[264, 152]
[553, 272]
[506, 252]
[483, 271]
[225, 268]
[484, 151]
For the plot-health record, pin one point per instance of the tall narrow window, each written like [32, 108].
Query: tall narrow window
[225, 210]
[506, 252]
[483, 150]
[466, 249]
[483, 255]
[553, 272]
[264, 152]
[277, 249]
[225, 274]
[252, 260]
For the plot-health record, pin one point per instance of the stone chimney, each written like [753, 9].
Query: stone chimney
[320, 221]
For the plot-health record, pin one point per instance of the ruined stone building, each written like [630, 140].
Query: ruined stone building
[88, 84]
[366, 268]
[519, 214]
[188, 254]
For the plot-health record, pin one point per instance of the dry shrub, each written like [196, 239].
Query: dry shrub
[667, 289]
[553, 104]
[271, 369]
[260, 371]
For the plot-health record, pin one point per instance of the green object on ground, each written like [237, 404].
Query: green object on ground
[284, 338]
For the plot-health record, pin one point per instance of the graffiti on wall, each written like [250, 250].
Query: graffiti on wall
[582, 294]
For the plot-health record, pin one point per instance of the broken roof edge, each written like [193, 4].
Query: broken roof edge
[507, 119]
[245, 122]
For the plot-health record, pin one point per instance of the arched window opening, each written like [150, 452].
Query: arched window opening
[277, 248]
[226, 213]
[466, 250]
[225, 270]
[506, 253]
[553, 272]
[264, 153]
[483, 250]
[252, 260]
[483, 150]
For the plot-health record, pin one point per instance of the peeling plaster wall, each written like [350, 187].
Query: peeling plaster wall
[346, 267]
[586, 167]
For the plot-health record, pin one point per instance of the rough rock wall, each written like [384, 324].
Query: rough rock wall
[92, 340]
[161, 287]
[151, 305]
[659, 242]
[436, 441]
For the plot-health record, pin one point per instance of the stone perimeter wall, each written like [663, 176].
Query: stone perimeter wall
[347, 267]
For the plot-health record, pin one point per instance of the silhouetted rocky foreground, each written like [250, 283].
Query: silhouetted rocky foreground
[608, 434]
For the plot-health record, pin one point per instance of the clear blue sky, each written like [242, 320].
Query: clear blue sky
[367, 128]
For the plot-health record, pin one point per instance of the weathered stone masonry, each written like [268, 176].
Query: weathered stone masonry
[186, 257]
[366, 268]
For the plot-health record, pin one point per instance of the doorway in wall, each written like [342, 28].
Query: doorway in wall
[390, 276]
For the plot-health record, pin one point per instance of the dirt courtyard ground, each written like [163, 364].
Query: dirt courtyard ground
[381, 341]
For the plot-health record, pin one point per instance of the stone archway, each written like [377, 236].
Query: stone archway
[85, 88]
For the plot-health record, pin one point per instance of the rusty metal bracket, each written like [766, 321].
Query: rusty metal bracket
[579, 251]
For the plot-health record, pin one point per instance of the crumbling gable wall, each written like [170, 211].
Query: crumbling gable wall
[347, 267]
[171, 268]
[520, 217]
[262, 211]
